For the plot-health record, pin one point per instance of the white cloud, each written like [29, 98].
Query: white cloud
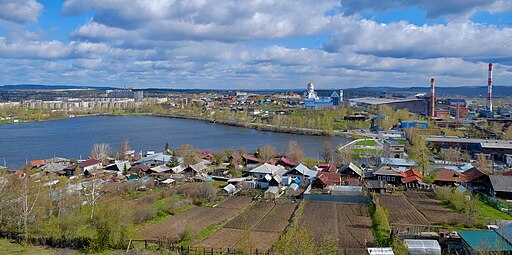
[218, 20]
[20, 11]
[464, 40]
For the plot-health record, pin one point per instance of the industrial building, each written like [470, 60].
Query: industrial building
[414, 105]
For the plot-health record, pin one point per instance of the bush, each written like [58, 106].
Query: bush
[200, 193]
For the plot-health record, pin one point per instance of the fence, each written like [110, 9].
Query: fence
[496, 203]
[185, 250]
[338, 198]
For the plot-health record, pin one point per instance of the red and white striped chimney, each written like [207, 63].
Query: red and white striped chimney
[432, 97]
[489, 89]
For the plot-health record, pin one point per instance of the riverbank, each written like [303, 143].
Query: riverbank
[271, 128]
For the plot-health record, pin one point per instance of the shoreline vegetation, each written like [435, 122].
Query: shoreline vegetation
[22, 115]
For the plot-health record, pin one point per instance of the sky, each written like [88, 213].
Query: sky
[261, 44]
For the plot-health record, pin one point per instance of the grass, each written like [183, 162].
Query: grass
[203, 234]
[357, 152]
[367, 143]
[6, 247]
[488, 212]
[380, 224]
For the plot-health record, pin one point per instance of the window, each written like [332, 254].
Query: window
[392, 178]
[388, 178]
[378, 178]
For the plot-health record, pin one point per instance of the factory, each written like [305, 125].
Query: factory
[313, 102]
[416, 105]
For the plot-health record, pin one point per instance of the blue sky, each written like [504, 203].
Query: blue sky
[255, 44]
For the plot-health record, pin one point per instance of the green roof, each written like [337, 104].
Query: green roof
[485, 240]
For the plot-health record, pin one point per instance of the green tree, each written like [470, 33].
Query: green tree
[174, 160]
[166, 148]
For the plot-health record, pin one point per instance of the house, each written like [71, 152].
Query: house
[412, 177]
[250, 160]
[198, 169]
[271, 193]
[448, 177]
[477, 180]
[351, 170]
[393, 149]
[263, 174]
[119, 166]
[140, 168]
[398, 163]
[300, 172]
[389, 174]
[286, 162]
[326, 179]
[156, 159]
[501, 186]
[326, 167]
[89, 166]
[38, 163]
[376, 186]
[160, 169]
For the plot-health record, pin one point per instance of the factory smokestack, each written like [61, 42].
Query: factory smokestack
[432, 97]
[489, 89]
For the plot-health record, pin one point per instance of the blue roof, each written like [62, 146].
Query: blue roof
[485, 240]
[506, 232]
[397, 162]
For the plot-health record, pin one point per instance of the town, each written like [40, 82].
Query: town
[420, 173]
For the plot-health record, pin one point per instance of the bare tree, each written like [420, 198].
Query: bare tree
[343, 156]
[125, 146]
[267, 152]
[100, 151]
[189, 154]
[92, 191]
[452, 154]
[327, 152]
[294, 151]
[483, 163]
[27, 196]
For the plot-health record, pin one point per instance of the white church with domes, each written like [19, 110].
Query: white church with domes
[313, 102]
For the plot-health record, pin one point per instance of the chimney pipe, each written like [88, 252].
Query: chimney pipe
[489, 89]
[432, 97]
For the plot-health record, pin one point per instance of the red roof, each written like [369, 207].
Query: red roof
[38, 162]
[411, 178]
[324, 165]
[287, 161]
[411, 175]
[251, 158]
[509, 173]
[332, 169]
[88, 162]
[329, 178]
[448, 175]
[206, 154]
[412, 172]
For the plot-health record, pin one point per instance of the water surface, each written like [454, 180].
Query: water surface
[74, 137]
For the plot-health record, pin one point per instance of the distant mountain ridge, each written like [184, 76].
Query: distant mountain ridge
[48, 87]
[459, 91]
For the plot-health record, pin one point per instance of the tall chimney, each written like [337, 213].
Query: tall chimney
[432, 97]
[489, 89]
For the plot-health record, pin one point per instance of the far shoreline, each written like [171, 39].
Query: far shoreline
[257, 126]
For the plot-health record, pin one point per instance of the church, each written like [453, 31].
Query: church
[313, 102]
